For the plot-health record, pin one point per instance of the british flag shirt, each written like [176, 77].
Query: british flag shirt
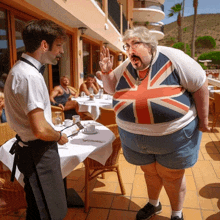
[162, 103]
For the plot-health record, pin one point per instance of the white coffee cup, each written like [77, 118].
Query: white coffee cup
[68, 122]
[76, 118]
[90, 128]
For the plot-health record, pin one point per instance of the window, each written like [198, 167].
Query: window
[4, 46]
[19, 25]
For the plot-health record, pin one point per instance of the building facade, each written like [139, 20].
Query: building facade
[90, 25]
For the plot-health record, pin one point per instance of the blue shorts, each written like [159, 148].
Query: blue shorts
[178, 150]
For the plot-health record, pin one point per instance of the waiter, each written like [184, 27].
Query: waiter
[28, 112]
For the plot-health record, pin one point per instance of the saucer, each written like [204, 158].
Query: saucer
[94, 132]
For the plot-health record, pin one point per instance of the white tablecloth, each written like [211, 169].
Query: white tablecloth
[74, 152]
[92, 106]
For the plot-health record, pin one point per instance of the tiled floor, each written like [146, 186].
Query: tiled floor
[202, 199]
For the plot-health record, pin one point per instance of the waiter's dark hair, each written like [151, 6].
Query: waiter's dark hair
[37, 30]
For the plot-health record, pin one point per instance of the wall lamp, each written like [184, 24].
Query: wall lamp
[105, 44]
[82, 30]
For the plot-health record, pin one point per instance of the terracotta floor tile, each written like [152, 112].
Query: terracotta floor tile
[210, 157]
[95, 213]
[205, 203]
[190, 183]
[191, 200]
[76, 174]
[188, 172]
[127, 172]
[213, 137]
[76, 214]
[139, 170]
[121, 157]
[110, 177]
[139, 186]
[206, 138]
[210, 150]
[75, 184]
[210, 215]
[192, 214]
[217, 143]
[201, 157]
[100, 200]
[120, 202]
[104, 187]
[216, 167]
[121, 215]
[128, 189]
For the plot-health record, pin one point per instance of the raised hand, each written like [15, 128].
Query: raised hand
[106, 60]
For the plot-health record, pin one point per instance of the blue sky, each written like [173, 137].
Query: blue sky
[204, 7]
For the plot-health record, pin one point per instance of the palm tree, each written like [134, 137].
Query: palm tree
[177, 9]
[195, 5]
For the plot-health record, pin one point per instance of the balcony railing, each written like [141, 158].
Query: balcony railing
[114, 15]
[149, 4]
[151, 26]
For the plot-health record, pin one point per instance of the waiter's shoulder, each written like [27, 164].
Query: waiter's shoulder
[24, 70]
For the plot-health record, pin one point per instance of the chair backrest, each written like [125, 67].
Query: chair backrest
[74, 89]
[107, 116]
[113, 128]
[6, 133]
[217, 102]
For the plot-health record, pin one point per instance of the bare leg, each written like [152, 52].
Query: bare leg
[153, 181]
[175, 185]
[74, 105]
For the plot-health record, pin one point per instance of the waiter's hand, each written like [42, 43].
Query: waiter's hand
[63, 140]
[106, 61]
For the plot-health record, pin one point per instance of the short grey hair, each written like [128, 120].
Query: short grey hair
[143, 34]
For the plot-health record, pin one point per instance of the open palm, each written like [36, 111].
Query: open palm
[106, 60]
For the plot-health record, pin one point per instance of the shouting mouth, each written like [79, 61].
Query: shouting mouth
[135, 59]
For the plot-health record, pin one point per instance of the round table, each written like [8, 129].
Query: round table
[92, 106]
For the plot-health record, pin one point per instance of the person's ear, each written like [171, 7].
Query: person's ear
[44, 46]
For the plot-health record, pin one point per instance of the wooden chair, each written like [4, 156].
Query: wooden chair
[216, 108]
[107, 116]
[73, 89]
[111, 165]
[6, 133]
[12, 195]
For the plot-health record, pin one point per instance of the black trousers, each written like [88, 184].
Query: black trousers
[44, 187]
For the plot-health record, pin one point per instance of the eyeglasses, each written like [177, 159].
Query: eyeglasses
[126, 47]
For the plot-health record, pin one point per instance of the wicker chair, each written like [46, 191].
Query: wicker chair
[12, 195]
[107, 116]
[216, 107]
[97, 168]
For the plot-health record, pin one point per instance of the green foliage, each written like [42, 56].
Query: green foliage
[203, 66]
[185, 29]
[213, 55]
[175, 9]
[180, 46]
[205, 42]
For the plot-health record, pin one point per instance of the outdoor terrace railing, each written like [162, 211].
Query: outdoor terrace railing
[114, 15]
[151, 26]
[149, 4]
